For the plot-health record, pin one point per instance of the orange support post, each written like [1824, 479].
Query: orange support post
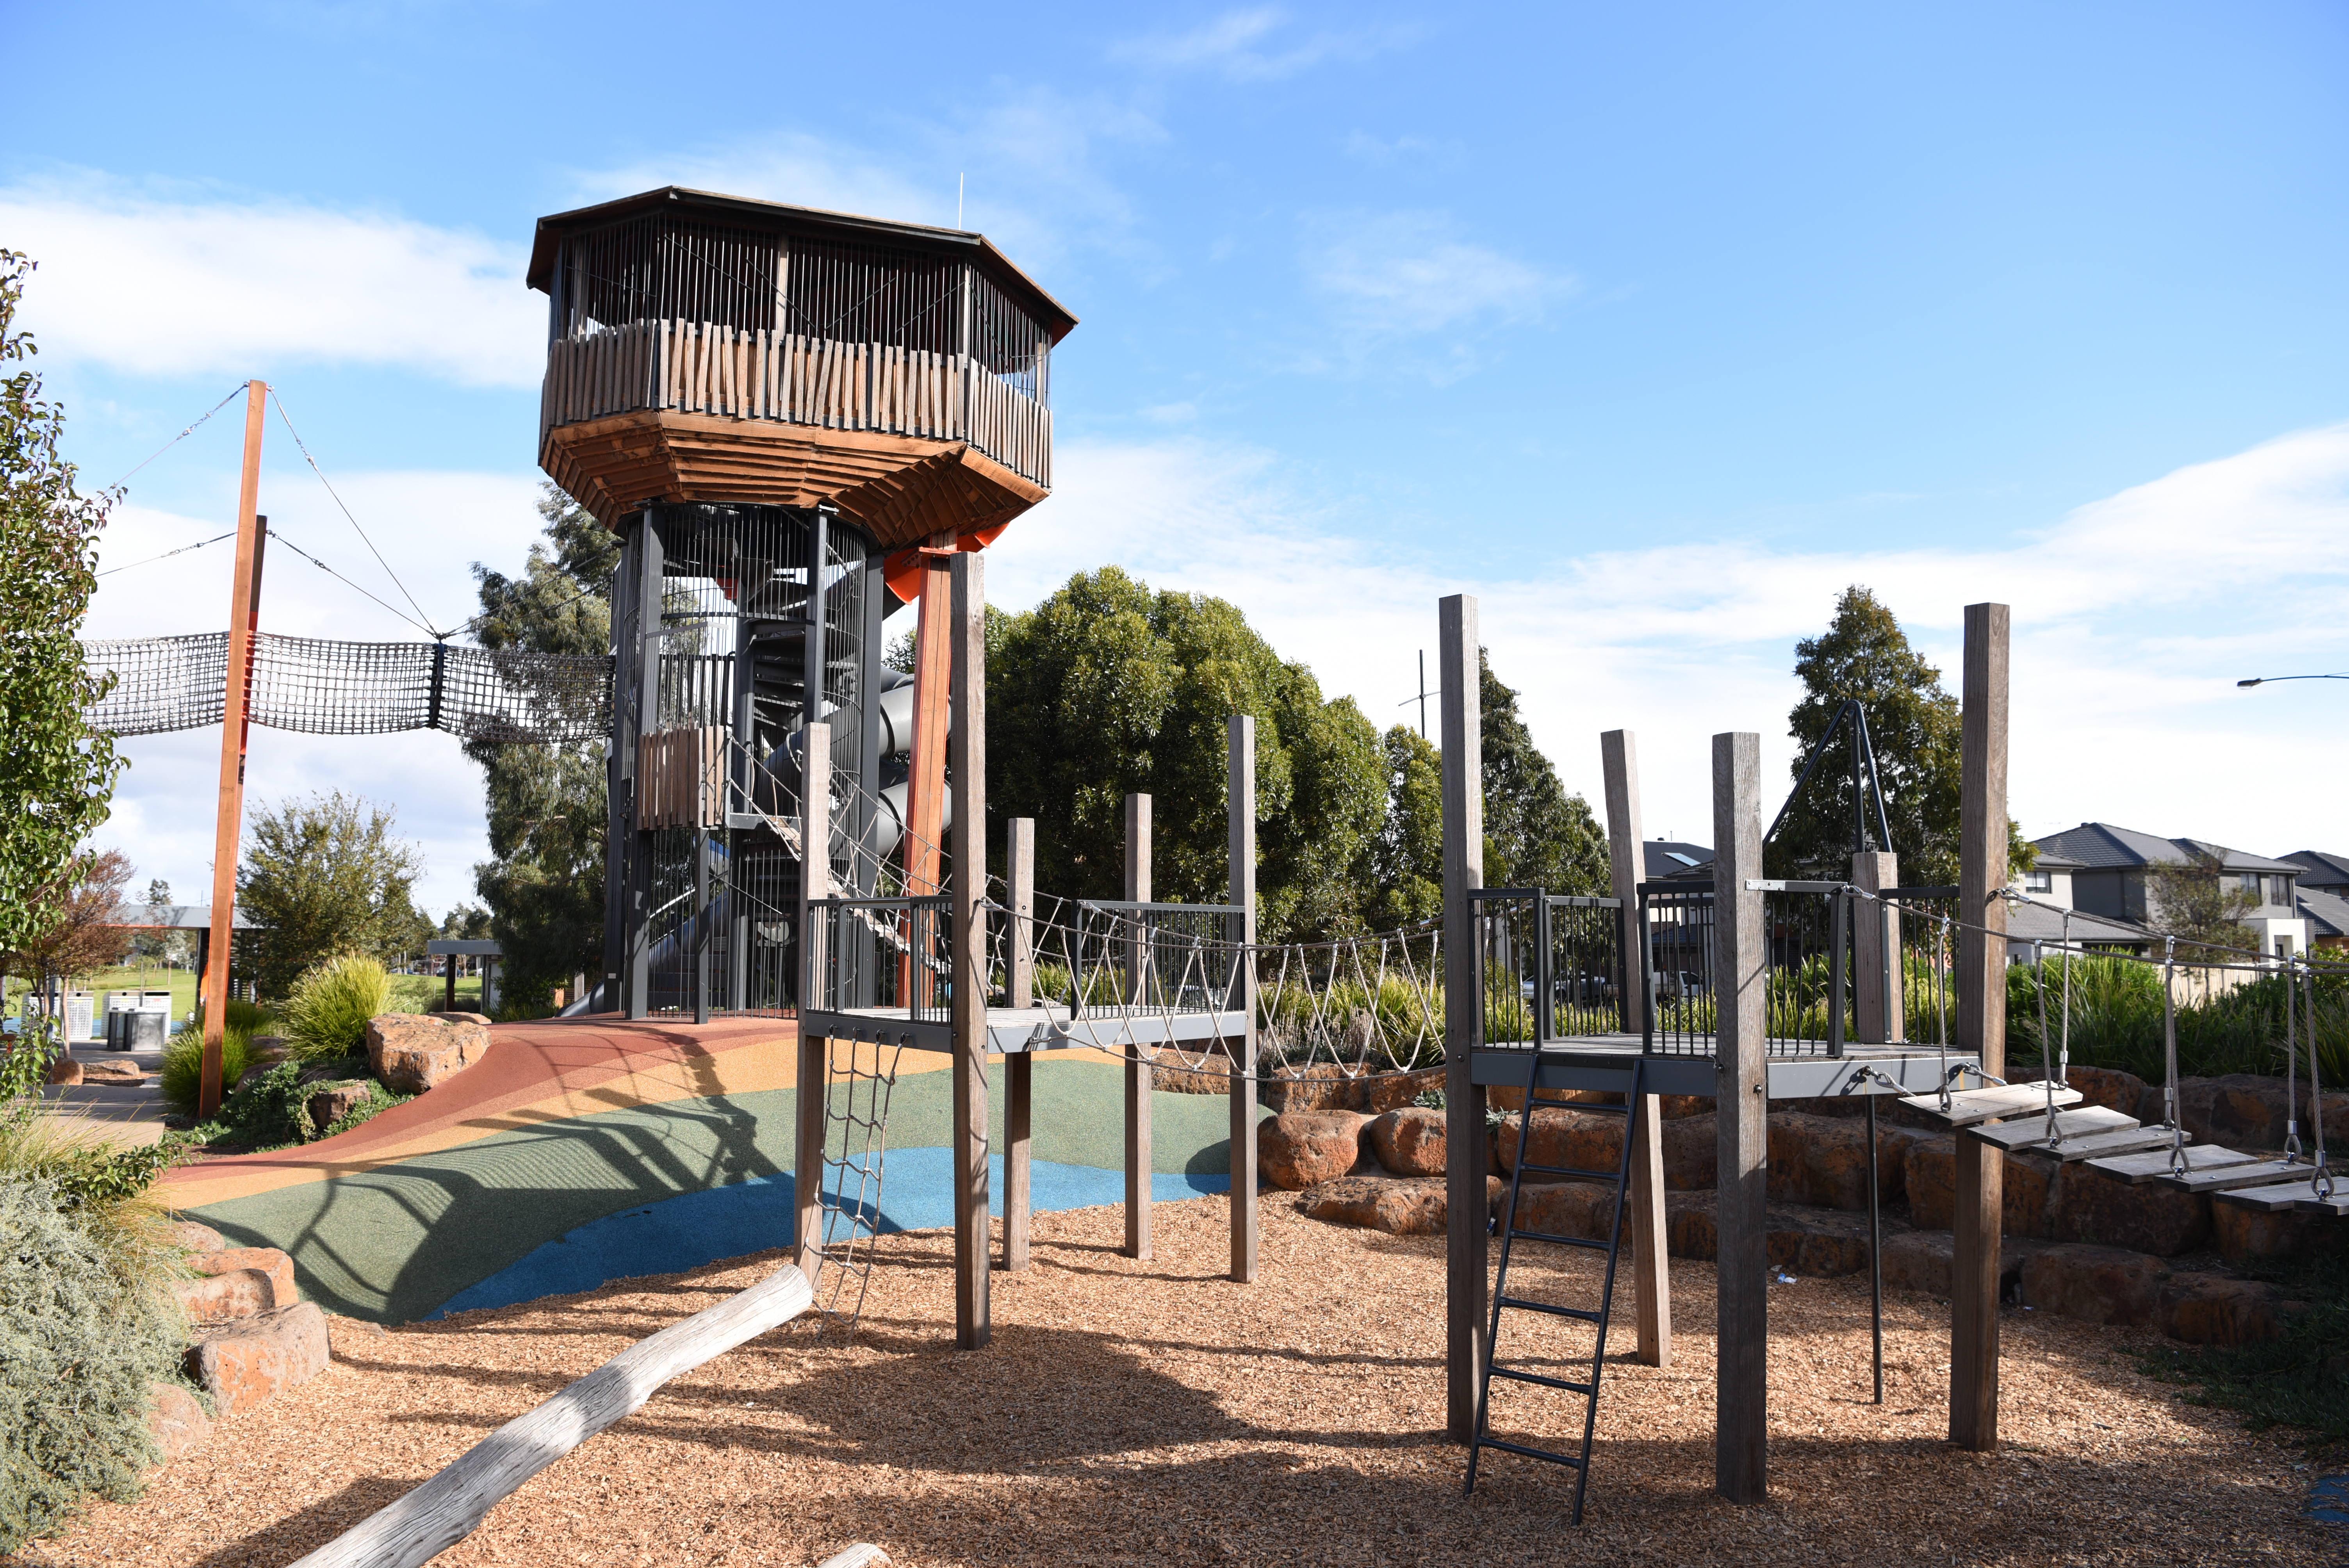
[243, 619]
[925, 791]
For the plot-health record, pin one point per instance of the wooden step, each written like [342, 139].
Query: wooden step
[2105, 1145]
[2071, 1125]
[2139, 1169]
[1973, 1106]
[2282, 1196]
[2220, 1179]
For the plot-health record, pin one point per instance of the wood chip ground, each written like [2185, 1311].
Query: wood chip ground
[1133, 1413]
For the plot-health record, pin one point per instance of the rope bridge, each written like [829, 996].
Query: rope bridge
[322, 687]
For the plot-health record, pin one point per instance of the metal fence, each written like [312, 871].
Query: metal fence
[1549, 966]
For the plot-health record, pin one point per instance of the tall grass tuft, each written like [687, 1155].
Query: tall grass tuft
[183, 1065]
[325, 1015]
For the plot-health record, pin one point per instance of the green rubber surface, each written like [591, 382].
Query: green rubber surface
[393, 1244]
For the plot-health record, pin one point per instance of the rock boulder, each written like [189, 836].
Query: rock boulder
[1926, 1262]
[2210, 1309]
[65, 1072]
[413, 1052]
[1301, 1149]
[2090, 1206]
[1409, 1142]
[248, 1363]
[2242, 1233]
[1691, 1153]
[1565, 1138]
[178, 1420]
[329, 1103]
[2094, 1285]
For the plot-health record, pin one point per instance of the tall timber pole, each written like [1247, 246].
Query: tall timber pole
[243, 619]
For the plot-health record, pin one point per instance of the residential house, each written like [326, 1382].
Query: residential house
[2101, 872]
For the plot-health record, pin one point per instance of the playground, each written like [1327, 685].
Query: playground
[876, 1193]
[1129, 1410]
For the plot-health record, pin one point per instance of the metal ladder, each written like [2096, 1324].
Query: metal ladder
[1621, 1177]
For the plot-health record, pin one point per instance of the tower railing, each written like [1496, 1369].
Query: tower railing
[794, 379]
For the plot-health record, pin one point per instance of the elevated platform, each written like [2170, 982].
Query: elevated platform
[1603, 1062]
[1013, 1030]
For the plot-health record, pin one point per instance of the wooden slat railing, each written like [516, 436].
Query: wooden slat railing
[705, 368]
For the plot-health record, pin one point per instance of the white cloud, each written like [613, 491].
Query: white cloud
[2133, 616]
[166, 285]
[1245, 46]
[1407, 274]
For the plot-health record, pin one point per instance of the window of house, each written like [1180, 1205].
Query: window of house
[2284, 947]
[2280, 891]
[2039, 881]
[2249, 881]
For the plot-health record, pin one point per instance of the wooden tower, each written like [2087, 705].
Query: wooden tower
[790, 417]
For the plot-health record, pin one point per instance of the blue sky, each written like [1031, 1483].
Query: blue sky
[1652, 328]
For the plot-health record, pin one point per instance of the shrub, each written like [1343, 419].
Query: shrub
[326, 1013]
[270, 1110]
[183, 1065]
[81, 1338]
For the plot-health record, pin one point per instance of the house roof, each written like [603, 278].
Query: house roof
[2037, 922]
[2327, 914]
[1665, 857]
[173, 917]
[2323, 869]
[2101, 846]
[2049, 860]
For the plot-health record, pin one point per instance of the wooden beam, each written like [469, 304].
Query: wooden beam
[1239, 807]
[1877, 984]
[812, 1084]
[1981, 1026]
[452, 1504]
[966, 604]
[1018, 1067]
[933, 655]
[228, 824]
[1466, 1218]
[1619, 758]
[1740, 987]
[1137, 1071]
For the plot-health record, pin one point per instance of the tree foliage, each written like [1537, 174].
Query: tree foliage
[1106, 689]
[57, 774]
[1406, 872]
[322, 877]
[544, 880]
[1535, 834]
[83, 935]
[1915, 726]
[2192, 901]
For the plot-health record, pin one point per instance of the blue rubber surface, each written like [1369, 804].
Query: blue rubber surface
[697, 1228]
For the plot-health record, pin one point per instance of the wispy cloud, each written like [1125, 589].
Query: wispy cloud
[2133, 617]
[1389, 275]
[179, 283]
[1260, 44]
[1038, 181]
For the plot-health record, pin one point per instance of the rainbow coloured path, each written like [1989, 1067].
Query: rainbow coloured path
[579, 1150]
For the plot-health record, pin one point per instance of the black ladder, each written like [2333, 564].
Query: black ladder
[1620, 1178]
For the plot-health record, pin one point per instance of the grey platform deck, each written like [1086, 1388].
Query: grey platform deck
[1601, 1061]
[1016, 1030]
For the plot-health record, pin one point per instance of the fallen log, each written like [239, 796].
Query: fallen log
[452, 1505]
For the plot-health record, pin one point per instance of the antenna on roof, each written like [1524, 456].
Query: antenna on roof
[958, 181]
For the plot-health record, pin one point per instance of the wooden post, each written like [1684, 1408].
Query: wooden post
[1618, 760]
[812, 1082]
[1018, 1067]
[969, 606]
[228, 827]
[1740, 986]
[1876, 951]
[934, 650]
[1466, 1229]
[1982, 1026]
[1239, 807]
[1137, 1071]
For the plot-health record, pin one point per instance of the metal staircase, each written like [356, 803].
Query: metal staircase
[1620, 1180]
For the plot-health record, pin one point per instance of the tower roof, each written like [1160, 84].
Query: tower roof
[781, 218]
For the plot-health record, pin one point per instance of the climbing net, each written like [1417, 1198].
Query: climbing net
[324, 688]
[859, 1083]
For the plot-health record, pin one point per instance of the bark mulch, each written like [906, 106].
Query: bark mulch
[1154, 1412]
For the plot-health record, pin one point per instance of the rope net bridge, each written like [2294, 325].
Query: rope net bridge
[319, 686]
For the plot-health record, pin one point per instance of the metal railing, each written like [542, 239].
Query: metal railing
[1549, 966]
[1123, 958]
[886, 952]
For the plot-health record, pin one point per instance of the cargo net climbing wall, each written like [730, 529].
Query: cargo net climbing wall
[322, 687]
